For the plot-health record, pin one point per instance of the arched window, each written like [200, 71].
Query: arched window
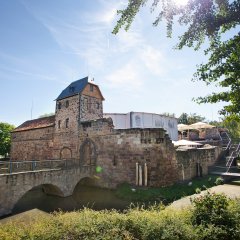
[65, 153]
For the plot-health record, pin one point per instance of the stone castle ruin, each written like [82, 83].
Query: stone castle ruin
[143, 156]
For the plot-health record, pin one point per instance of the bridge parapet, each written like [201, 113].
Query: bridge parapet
[10, 167]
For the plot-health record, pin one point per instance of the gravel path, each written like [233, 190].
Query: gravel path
[231, 190]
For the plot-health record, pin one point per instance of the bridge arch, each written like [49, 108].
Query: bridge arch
[48, 189]
[17, 185]
[88, 153]
[86, 181]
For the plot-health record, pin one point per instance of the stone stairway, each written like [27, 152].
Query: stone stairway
[227, 165]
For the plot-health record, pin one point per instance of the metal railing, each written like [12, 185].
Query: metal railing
[9, 167]
[229, 140]
[233, 155]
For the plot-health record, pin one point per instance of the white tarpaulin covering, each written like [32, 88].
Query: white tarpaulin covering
[145, 120]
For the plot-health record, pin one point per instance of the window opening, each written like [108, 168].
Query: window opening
[67, 104]
[67, 122]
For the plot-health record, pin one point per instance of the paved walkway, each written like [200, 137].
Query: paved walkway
[26, 217]
[231, 190]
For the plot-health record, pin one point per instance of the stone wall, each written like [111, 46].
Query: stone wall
[91, 103]
[35, 144]
[69, 110]
[90, 108]
[118, 151]
[195, 162]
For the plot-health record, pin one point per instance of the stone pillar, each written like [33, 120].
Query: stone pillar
[145, 175]
[136, 174]
[140, 175]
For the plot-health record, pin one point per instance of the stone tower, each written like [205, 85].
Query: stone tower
[81, 101]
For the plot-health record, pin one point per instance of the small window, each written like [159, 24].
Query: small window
[97, 105]
[67, 104]
[90, 105]
[86, 124]
[86, 103]
[114, 161]
[59, 124]
[67, 122]
[59, 105]
[91, 88]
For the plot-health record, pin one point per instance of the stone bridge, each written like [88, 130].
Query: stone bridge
[59, 181]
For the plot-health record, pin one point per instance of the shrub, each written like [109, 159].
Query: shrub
[214, 218]
[219, 181]
[198, 190]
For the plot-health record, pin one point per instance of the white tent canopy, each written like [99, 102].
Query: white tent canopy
[181, 127]
[185, 143]
[200, 125]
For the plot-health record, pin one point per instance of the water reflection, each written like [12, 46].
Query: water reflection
[88, 196]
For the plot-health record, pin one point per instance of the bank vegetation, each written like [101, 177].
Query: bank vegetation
[212, 216]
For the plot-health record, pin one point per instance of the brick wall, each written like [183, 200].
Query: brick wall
[36, 144]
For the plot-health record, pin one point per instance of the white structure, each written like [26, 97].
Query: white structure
[145, 120]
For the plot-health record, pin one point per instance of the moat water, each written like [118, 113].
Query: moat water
[83, 196]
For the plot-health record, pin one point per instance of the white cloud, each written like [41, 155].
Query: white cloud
[153, 59]
[107, 16]
[127, 77]
[130, 40]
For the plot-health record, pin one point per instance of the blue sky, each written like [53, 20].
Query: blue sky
[45, 45]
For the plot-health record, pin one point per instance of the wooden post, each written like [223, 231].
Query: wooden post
[136, 174]
[183, 174]
[140, 175]
[145, 175]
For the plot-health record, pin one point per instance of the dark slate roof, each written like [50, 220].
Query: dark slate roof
[36, 123]
[74, 88]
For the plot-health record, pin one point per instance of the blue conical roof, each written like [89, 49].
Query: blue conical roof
[74, 88]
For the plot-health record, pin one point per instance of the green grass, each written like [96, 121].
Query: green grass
[164, 194]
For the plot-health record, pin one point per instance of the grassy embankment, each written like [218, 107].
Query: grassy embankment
[165, 194]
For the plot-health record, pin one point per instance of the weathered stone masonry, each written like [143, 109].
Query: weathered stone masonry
[79, 132]
[118, 151]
